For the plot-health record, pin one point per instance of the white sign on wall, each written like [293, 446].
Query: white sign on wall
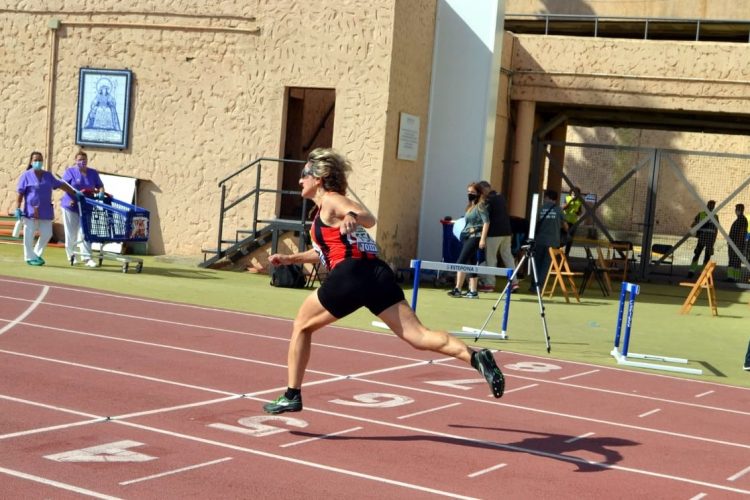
[408, 137]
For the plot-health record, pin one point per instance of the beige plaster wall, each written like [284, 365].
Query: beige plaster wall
[632, 73]
[691, 9]
[205, 99]
[409, 90]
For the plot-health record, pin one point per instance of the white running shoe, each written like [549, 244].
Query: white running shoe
[91, 263]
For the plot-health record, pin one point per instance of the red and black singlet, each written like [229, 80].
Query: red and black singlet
[333, 247]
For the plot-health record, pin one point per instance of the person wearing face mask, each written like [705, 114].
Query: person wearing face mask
[86, 179]
[34, 207]
[473, 239]
[737, 233]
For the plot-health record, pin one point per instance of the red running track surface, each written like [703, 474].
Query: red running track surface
[109, 396]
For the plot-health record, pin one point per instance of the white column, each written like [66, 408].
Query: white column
[463, 105]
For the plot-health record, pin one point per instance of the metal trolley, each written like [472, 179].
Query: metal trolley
[113, 221]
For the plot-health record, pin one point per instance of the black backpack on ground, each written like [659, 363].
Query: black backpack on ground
[290, 276]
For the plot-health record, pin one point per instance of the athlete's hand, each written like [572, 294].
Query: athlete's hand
[348, 224]
[275, 259]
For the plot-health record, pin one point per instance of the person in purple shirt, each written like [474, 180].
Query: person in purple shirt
[85, 179]
[34, 207]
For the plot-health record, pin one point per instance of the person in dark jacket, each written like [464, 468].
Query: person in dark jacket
[499, 235]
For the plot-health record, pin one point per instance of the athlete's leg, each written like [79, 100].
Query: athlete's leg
[404, 322]
[406, 325]
[310, 317]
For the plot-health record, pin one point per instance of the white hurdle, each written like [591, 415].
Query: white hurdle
[622, 357]
[466, 332]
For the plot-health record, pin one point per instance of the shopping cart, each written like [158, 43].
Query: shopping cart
[113, 221]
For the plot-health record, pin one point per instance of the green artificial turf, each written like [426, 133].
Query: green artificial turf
[579, 332]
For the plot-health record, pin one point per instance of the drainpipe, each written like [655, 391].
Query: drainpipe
[53, 25]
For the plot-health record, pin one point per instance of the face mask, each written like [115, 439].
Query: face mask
[36, 165]
[472, 197]
[80, 163]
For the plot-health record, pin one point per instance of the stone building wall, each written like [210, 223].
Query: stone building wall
[208, 93]
[645, 74]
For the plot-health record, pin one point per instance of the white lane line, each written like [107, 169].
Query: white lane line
[28, 311]
[510, 447]
[626, 394]
[317, 438]
[559, 414]
[578, 375]
[516, 389]
[485, 471]
[447, 360]
[739, 474]
[704, 394]
[176, 471]
[428, 411]
[285, 339]
[655, 410]
[574, 439]
[699, 496]
[297, 461]
[56, 484]
[182, 305]
[122, 297]
[117, 372]
[422, 390]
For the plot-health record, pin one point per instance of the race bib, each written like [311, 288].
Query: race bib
[364, 243]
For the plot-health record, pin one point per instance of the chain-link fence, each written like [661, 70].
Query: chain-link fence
[652, 199]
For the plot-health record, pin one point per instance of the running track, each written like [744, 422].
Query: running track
[108, 396]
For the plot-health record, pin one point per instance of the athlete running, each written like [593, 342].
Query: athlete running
[356, 278]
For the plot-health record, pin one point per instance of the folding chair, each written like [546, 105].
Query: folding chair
[561, 270]
[595, 269]
[619, 257]
[663, 254]
[315, 275]
[705, 280]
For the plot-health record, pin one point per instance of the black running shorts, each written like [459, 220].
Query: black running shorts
[354, 283]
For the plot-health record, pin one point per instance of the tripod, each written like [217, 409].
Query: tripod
[529, 247]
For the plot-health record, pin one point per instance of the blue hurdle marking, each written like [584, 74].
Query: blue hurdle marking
[633, 290]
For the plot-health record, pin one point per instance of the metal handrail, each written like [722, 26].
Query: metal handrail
[254, 193]
[242, 169]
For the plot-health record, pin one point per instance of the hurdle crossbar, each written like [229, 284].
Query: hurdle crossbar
[418, 265]
[622, 357]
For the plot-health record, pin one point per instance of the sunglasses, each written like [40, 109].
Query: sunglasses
[305, 172]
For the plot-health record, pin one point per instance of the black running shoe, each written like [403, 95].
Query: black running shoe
[456, 293]
[282, 404]
[486, 366]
